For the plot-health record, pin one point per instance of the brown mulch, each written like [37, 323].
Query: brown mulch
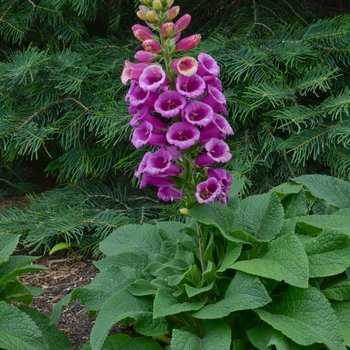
[64, 274]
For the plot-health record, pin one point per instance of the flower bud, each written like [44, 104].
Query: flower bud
[145, 56]
[184, 211]
[152, 16]
[167, 29]
[146, 2]
[142, 13]
[173, 12]
[152, 46]
[182, 23]
[169, 3]
[141, 33]
[157, 5]
[188, 43]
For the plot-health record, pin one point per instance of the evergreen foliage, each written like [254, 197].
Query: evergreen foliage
[286, 74]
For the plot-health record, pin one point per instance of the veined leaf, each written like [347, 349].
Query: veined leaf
[8, 243]
[342, 311]
[339, 291]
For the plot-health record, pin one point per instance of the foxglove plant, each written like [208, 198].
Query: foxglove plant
[177, 101]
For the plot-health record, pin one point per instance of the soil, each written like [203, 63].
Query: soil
[64, 273]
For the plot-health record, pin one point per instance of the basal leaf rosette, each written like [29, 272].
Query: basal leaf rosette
[178, 109]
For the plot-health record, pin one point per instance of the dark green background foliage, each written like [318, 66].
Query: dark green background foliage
[63, 119]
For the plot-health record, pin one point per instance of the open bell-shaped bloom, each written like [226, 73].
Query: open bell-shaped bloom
[158, 181]
[207, 65]
[146, 134]
[210, 80]
[143, 164]
[198, 113]
[169, 104]
[182, 135]
[132, 71]
[160, 163]
[225, 180]
[208, 191]
[218, 128]
[140, 97]
[215, 99]
[152, 78]
[190, 86]
[144, 114]
[186, 66]
[169, 193]
[217, 151]
[188, 43]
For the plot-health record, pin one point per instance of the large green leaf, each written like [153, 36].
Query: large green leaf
[285, 260]
[244, 292]
[261, 216]
[265, 337]
[165, 305]
[339, 291]
[305, 316]
[122, 305]
[328, 253]
[342, 311]
[143, 239]
[55, 338]
[8, 243]
[124, 342]
[217, 336]
[334, 191]
[124, 259]
[18, 330]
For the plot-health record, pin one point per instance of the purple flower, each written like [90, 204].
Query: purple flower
[152, 78]
[217, 151]
[158, 181]
[190, 86]
[159, 163]
[215, 99]
[208, 191]
[169, 193]
[146, 134]
[182, 135]
[210, 80]
[188, 43]
[144, 56]
[143, 164]
[207, 65]
[139, 97]
[144, 114]
[198, 113]
[225, 180]
[132, 71]
[169, 104]
[186, 66]
[218, 128]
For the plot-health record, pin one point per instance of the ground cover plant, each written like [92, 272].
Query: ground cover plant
[269, 270]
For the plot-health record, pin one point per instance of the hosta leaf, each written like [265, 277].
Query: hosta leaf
[18, 330]
[143, 239]
[165, 305]
[261, 216]
[328, 253]
[342, 311]
[305, 316]
[122, 305]
[217, 336]
[124, 342]
[339, 291]
[285, 260]
[8, 243]
[244, 292]
[334, 191]
[265, 337]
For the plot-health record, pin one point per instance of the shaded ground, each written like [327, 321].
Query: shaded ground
[63, 275]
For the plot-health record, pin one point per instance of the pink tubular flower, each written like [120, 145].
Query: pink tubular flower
[218, 128]
[169, 193]
[146, 134]
[186, 66]
[144, 114]
[225, 180]
[151, 45]
[169, 104]
[217, 151]
[152, 78]
[198, 113]
[142, 33]
[145, 56]
[208, 191]
[188, 43]
[215, 99]
[207, 65]
[132, 71]
[159, 163]
[182, 23]
[182, 135]
[142, 165]
[173, 12]
[139, 97]
[167, 29]
[191, 87]
[158, 181]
